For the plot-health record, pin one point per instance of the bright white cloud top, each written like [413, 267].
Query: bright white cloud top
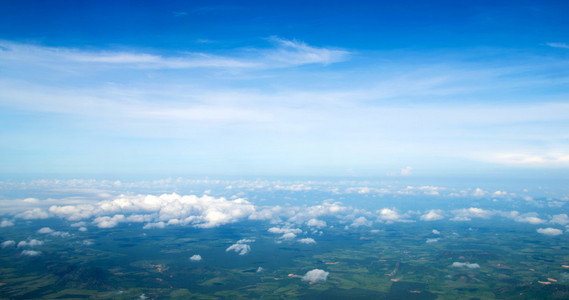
[315, 275]
[550, 231]
[196, 257]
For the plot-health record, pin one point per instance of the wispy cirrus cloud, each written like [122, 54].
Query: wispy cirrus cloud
[558, 45]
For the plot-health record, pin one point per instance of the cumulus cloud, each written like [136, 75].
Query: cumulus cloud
[361, 221]
[108, 222]
[196, 257]
[561, 219]
[465, 265]
[430, 241]
[433, 215]
[241, 247]
[434, 231]
[390, 215]
[531, 218]
[278, 230]
[479, 192]
[549, 231]
[154, 225]
[45, 230]
[315, 276]
[31, 253]
[30, 243]
[466, 214]
[6, 223]
[32, 214]
[9, 243]
[316, 223]
[308, 241]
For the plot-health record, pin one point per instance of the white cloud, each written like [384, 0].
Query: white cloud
[407, 171]
[9, 243]
[35, 213]
[154, 225]
[30, 243]
[466, 214]
[561, 219]
[308, 241]
[82, 229]
[549, 231]
[108, 222]
[31, 253]
[361, 221]
[288, 236]
[6, 223]
[315, 275]
[196, 257]
[434, 231]
[530, 218]
[298, 53]
[316, 223]
[260, 269]
[278, 230]
[79, 224]
[558, 45]
[433, 215]
[45, 230]
[389, 215]
[242, 249]
[479, 192]
[430, 241]
[465, 265]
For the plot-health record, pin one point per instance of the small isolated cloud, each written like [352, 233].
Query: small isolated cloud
[361, 221]
[315, 276]
[479, 192]
[287, 233]
[430, 241]
[389, 215]
[558, 45]
[260, 269]
[530, 218]
[465, 265]
[83, 229]
[434, 231]
[6, 223]
[33, 214]
[316, 223]
[30, 243]
[407, 171]
[31, 253]
[308, 241]
[45, 230]
[561, 219]
[549, 231]
[433, 215]
[466, 214]
[196, 257]
[9, 243]
[241, 247]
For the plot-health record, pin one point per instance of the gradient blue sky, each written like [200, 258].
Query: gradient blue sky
[399, 88]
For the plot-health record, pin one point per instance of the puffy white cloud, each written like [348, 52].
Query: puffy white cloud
[73, 212]
[108, 222]
[466, 214]
[31, 253]
[434, 231]
[549, 231]
[6, 223]
[433, 215]
[361, 221]
[561, 219]
[478, 192]
[45, 230]
[78, 224]
[82, 229]
[390, 215]
[465, 265]
[30, 243]
[531, 218]
[35, 213]
[9, 243]
[430, 241]
[288, 236]
[315, 275]
[196, 257]
[260, 269]
[316, 223]
[242, 249]
[284, 230]
[308, 241]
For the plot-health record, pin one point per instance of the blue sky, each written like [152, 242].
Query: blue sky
[402, 89]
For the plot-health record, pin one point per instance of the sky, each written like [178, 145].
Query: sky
[210, 88]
